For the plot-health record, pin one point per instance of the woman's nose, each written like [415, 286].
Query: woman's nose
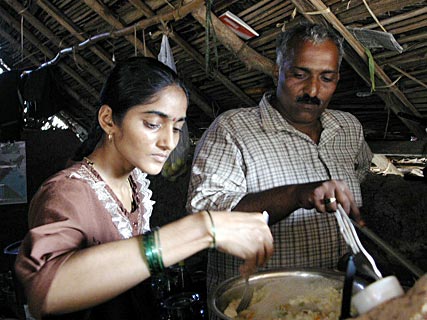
[167, 138]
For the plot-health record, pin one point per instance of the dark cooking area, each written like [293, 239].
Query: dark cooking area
[225, 105]
[393, 209]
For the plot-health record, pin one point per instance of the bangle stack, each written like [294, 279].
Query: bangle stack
[213, 231]
[153, 251]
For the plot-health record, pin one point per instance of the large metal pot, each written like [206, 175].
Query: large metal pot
[233, 288]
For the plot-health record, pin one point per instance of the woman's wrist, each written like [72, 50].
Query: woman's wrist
[212, 230]
[209, 224]
[153, 251]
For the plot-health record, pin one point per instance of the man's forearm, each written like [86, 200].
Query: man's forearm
[279, 202]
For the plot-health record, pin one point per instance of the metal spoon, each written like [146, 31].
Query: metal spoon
[249, 290]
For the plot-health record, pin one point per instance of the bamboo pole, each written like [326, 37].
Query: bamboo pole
[80, 61]
[359, 50]
[252, 59]
[36, 43]
[73, 29]
[199, 58]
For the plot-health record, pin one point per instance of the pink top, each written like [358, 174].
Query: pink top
[72, 210]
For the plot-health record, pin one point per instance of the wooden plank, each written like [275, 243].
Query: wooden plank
[399, 148]
[398, 18]
[105, 13]
[252, 59]
[405, 105]
[54, 39]
[73, 29]
[36, 43]
[200, 60]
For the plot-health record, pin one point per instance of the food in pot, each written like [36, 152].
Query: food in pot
[292, 299]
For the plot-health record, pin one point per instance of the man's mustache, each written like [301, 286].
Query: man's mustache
[306, 99]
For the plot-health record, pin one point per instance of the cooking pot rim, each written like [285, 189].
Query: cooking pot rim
[238, 282]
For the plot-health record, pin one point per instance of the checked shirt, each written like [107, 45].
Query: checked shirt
[253, 149]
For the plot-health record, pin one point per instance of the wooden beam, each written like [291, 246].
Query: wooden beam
[21, 10]
[195, 95]
[177, 14]
[390, 101]
[198, 58]
[252, 59]
[144, 8]
[398, 18]
[404, 105]
[100, 9]
[359, 12]
[36, 43]
[73, 29]
[105, 14]
[17, 47]
[399, 148]
[199, 100]
[36, 62]
[215, 73]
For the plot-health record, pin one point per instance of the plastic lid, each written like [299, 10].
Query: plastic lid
[377, 293]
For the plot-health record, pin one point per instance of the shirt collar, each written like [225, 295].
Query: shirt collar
[271, 119]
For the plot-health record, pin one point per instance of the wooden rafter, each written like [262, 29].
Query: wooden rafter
[20, 9]
[252, 59]
[37, 44]
[73, 29]
[198, 57]
[36, 62]
[404, 104]
[84, 29]
[104, 13]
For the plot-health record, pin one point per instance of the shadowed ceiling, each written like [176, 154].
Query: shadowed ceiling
[84, 38]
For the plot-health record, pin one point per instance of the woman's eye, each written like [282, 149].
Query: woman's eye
[177, 130]
[151, 125]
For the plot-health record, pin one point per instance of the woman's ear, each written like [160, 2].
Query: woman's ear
[105, 118]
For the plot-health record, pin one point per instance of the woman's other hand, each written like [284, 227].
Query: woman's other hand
[244, 235]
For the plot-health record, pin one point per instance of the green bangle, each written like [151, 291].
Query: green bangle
[153, 251]
[159, 249]
[213, 230]
[146, 239]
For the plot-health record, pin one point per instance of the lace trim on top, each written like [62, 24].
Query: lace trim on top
[104, 194]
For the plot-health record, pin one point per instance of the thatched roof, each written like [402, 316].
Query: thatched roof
[33, 32]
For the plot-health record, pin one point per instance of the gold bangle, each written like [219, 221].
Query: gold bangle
[213, 231]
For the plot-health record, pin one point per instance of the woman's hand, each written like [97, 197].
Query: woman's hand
[244, 235]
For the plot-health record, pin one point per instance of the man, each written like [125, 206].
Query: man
[275, 156]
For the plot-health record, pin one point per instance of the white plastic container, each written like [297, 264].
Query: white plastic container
[377, 293]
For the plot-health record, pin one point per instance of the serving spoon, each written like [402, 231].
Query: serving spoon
[249, 290]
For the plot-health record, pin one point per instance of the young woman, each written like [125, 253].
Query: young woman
[90, 242]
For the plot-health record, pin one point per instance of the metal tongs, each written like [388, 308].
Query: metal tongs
[362, 259]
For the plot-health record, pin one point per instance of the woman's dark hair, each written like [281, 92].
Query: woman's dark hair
[132, 82]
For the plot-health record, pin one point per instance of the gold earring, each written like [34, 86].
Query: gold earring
[110, 137]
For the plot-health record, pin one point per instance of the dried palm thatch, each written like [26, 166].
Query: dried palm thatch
[84, 38]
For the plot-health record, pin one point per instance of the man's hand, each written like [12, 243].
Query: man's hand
[325, 195]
